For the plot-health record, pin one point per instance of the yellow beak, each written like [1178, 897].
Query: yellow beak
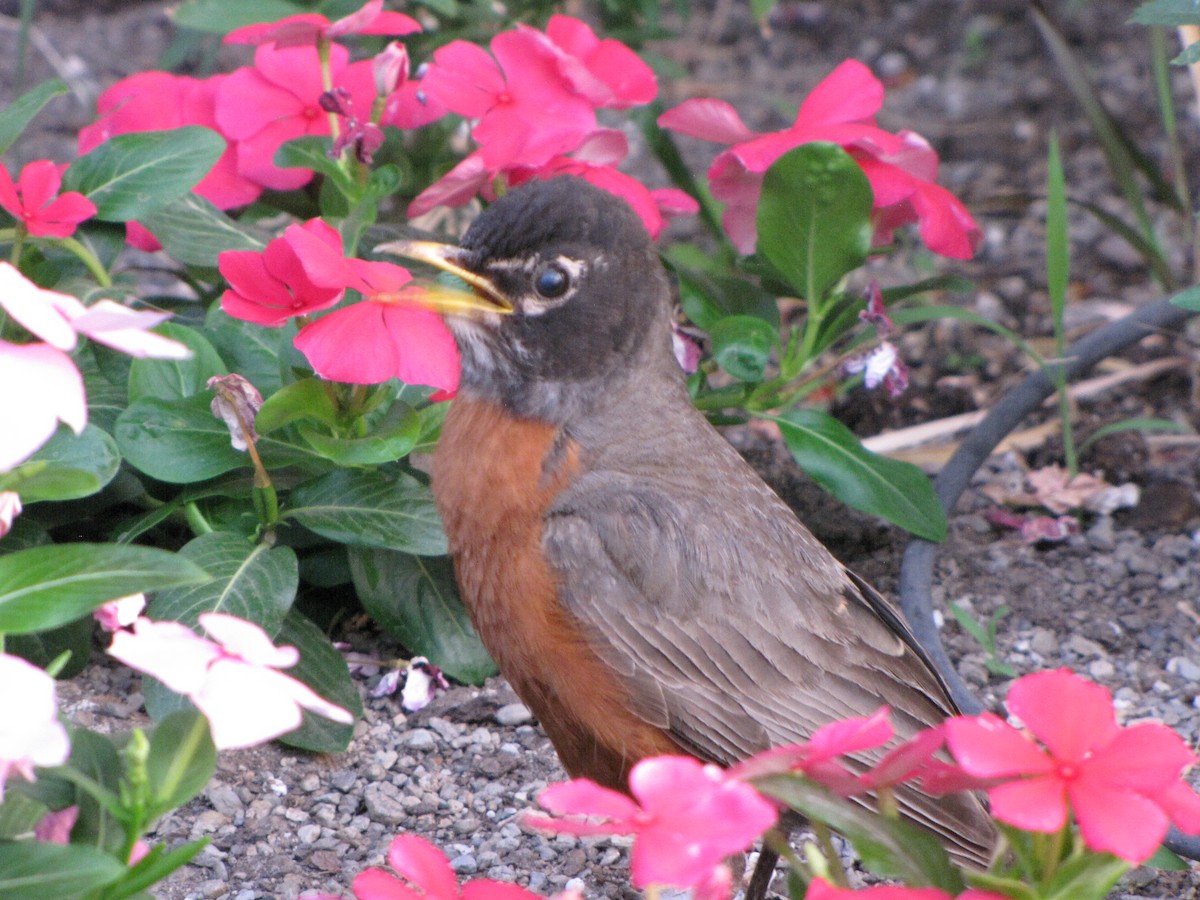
[445, 298]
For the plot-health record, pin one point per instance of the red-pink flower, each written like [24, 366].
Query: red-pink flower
[841, 109]
[527, 111]
[686, 816]
[424, 874]
[269, 288]
[233, 679]
[308, 28]
[387, 335]
[277, 100]
[820, 889]
[605, 72]
[35, 203]
[819, 757]
[1122, 784]
[159, 101]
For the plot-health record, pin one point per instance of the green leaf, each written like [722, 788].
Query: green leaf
[1058, 253]
[324, 670]
[34, 870]
[178, 441]
[67, 467]
[176, 379]
[829, 452]
[19, 814]
[195, 232]
[1170, 13]
[223, 16]
[814, 217]
[19, 113]
[370, 509]
[182, 760]
[709, 297]
[308, 399]
[1167, 861]
[393, 438]
[415, 599]
[151, 869]
[44, 587]
[1190, 55]
[312, 152]
[256, 353]
[1188, 299]
[42, 647]
[250, 581]
[131, 175]
[916, 314]
[888, 847]
[742, 346]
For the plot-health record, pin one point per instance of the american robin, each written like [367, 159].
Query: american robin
[637, 583]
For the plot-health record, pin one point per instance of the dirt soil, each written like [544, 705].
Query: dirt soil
[1117, 602]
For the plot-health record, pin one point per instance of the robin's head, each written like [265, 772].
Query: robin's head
[567, 295]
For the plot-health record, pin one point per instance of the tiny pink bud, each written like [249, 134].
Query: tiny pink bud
[390, 68]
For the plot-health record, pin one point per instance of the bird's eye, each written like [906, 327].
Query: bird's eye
[551, 281]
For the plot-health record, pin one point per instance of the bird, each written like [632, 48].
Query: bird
[637, 583]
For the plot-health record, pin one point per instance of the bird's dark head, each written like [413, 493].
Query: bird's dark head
[568, 296]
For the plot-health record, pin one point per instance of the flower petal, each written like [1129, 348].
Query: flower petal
[1069, 714]
[424, 865]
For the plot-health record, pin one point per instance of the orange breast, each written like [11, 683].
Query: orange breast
[494, 477]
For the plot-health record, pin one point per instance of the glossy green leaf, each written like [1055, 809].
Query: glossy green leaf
[307, 399]
[888, 847]
[1170, 13]
[742, 346]
[311, 152]
[195, 232]
[393, 438]
[368, 508]
[223, 16]
[18, 114]
[176, 379]
[256, 353]
[415, 599]
[130, 175]
[178, 441]
[324, 670]
[67, 467]
[250, 581]
[44, 587]
[814, 217]
[35, 870]
[182, 760]
[707, 298]
[43, 646]
[836, 459]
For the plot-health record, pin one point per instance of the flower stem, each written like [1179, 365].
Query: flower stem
[88, 258]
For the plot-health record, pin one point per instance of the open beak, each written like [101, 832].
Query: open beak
[482, 295]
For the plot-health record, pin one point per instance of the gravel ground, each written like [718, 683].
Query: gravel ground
[1116, 603]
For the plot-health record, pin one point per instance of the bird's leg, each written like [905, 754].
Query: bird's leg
[764, 869]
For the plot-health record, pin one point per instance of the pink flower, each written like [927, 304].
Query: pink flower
[818, 757]
[235, 682]
[528, 112]
[392, 336]
[40, 388]
[841, 110]
[30, 733]
[59, 318]
[278, 99]
[309, 28]
[10, 508]
[55, 827]
[605, 72]
[32, 201]
[159, 101]
[424, 874]
[687, 817]
[120, 613]
[820, 889]
[1122, 784]
[407, 105]
[269, 288]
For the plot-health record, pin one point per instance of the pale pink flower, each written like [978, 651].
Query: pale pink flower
[422, 683]
[30, 733]
[55, 827]
[120, 613]
[10, 508]
[235, 681]
[39, 387]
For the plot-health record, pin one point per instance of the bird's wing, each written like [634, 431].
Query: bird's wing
[732, 649]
